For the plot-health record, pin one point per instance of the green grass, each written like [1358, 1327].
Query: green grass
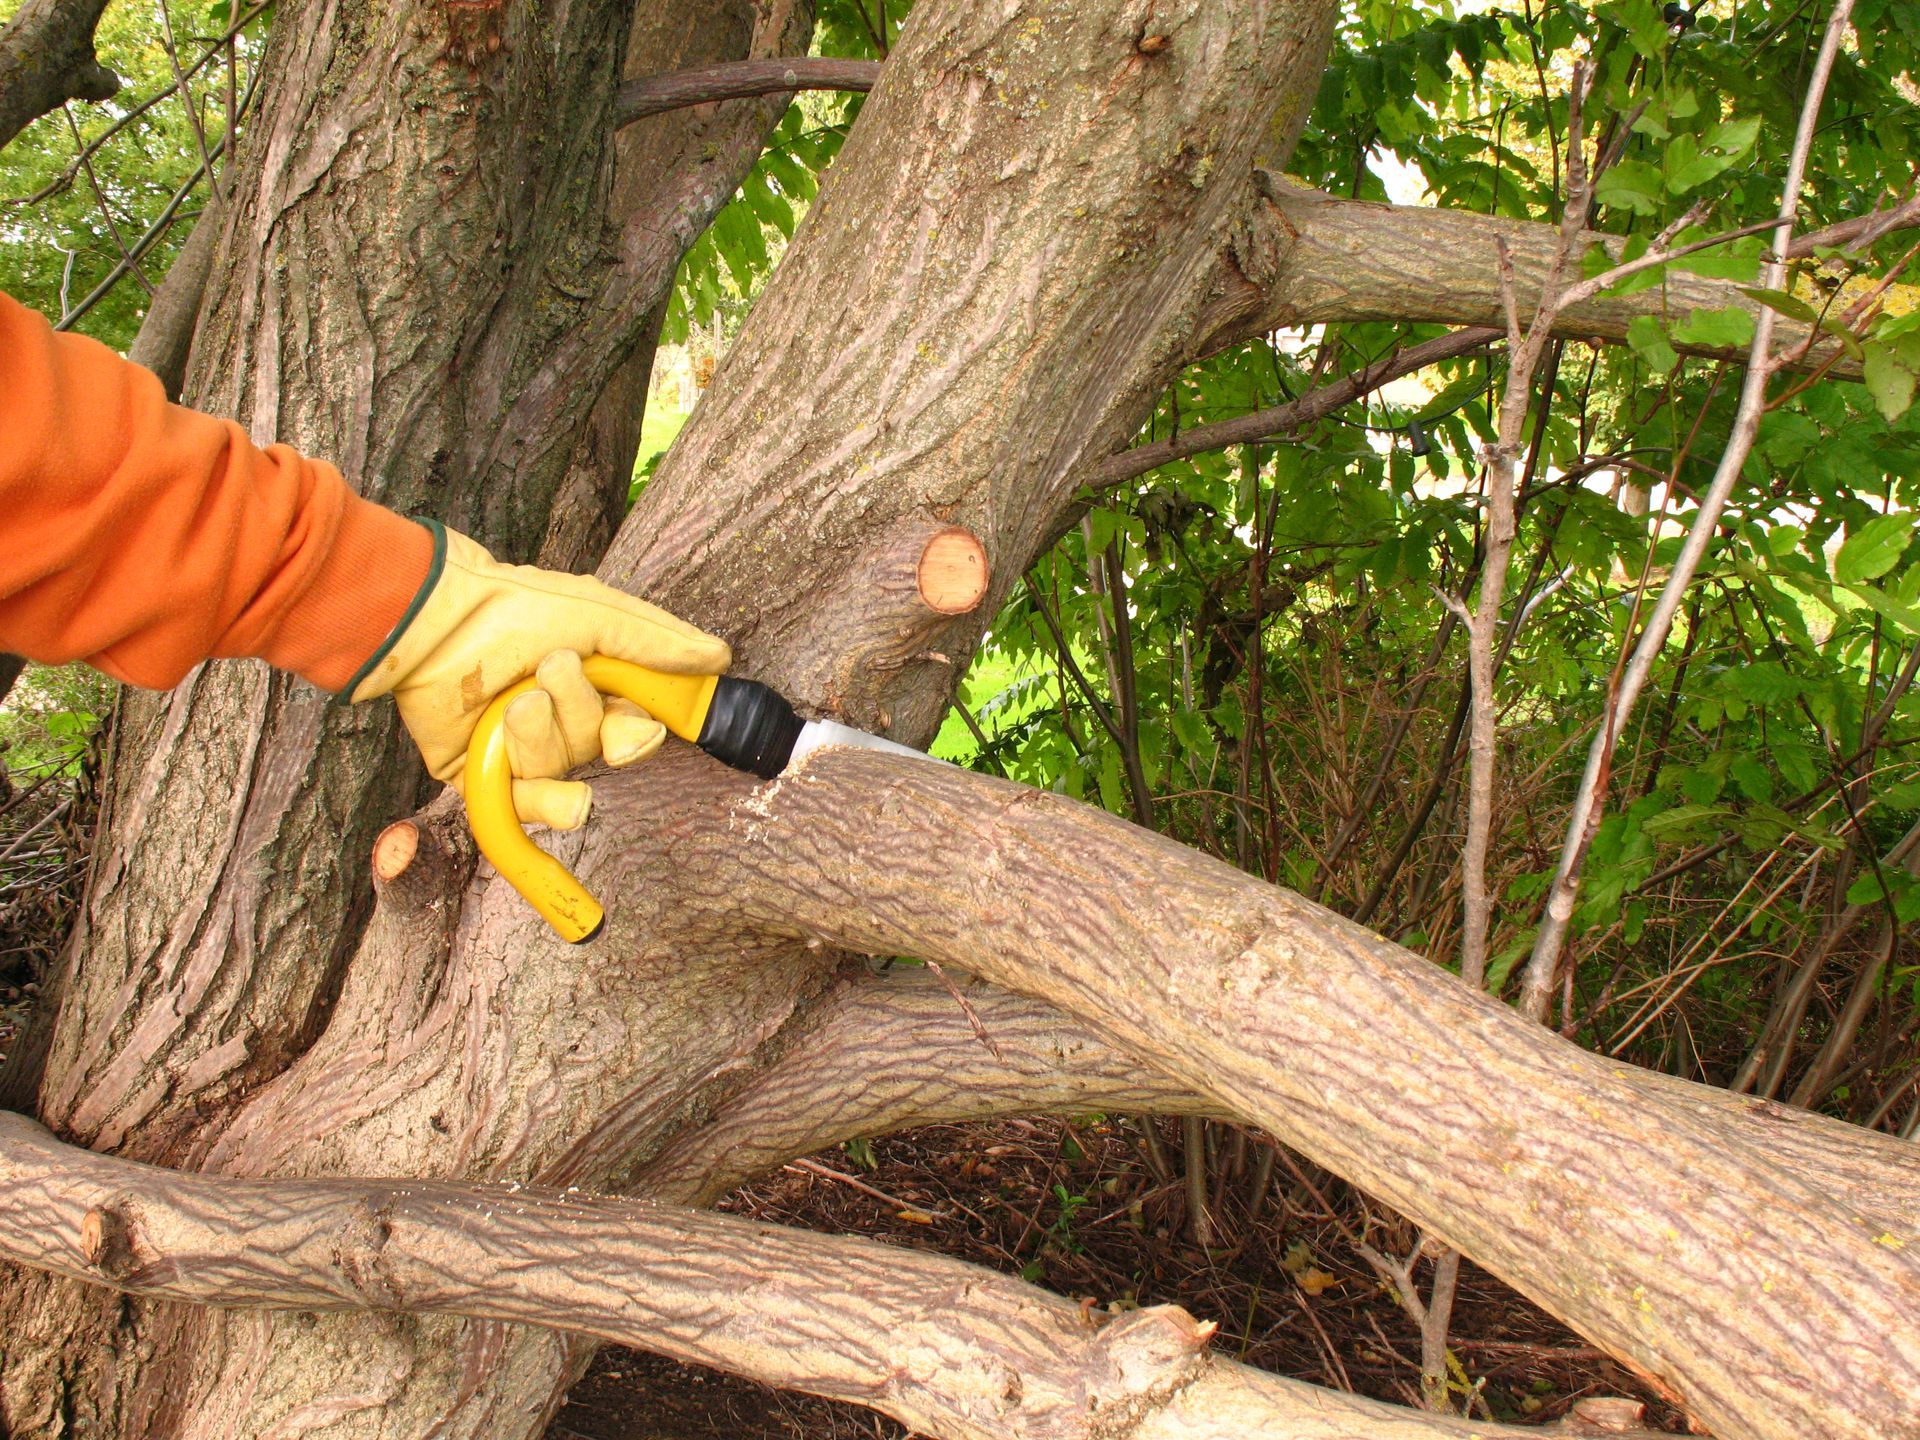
[657, 432]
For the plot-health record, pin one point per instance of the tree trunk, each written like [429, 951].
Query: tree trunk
[439, 257]
[1039, 219]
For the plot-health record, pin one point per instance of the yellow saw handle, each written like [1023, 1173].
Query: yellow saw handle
[679, 702]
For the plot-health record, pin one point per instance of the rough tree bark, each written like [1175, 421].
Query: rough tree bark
[948, 1350]
[421, 274]
[430, 205]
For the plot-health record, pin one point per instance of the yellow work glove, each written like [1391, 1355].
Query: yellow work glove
[479, 626]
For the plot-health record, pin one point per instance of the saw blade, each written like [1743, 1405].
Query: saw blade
[819, 734]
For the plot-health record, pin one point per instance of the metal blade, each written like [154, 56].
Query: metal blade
[818, 734]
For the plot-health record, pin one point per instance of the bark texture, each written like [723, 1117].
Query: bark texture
[1778, 1299]
[47, 59]
[1354, 260]
[946, 1349]
[436, 260]
[882, 1054]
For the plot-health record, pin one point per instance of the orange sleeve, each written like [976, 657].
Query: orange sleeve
[143, 538]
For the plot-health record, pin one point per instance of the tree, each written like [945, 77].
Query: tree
[443, 264]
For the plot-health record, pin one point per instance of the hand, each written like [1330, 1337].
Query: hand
[560, 726]
[485, 625]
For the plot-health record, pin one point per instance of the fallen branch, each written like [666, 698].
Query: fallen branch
[942, 1346]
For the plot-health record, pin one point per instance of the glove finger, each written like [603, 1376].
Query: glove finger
[647, 635]
[535, 747]
[576, 705]
[628, 733]
[557, 804]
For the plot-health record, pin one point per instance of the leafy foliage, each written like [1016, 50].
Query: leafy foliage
[1290, 683]
[55, 250]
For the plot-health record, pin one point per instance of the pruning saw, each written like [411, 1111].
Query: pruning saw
[742, 723]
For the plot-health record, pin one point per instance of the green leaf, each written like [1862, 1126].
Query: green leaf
[1873, 549]
[1764, 683]
[1631, 185]
[1102, 526]
[1866, 890]
[1792, 306]
[1649, 341]
[1111, 796]
[1886, 607]
[1501, 967]
[1691, 164]
[1684, 821]
[1452, 397]
[1889, 379]
[1730, 328]
[1753, 778]
[1191, 730]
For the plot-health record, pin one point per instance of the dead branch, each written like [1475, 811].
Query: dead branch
[47, 59]
[942, 1346]
[887, 1052]
[1300, 1021]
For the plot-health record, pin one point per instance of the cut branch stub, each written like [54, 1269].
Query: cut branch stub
[393, 851]
[952, 574]
[106, 1241]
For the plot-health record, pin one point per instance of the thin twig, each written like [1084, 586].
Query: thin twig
[813, 1167]
[186, 100]
[100, 196]
[1584, 819]
[65, 177]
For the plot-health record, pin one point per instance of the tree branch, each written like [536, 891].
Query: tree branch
[884, 1053]
[166, 335]
[1860, 232]
[940, 1345]
[47, 59]
[1305, 1023]
[1284, 419]
[739, 80]
[1340, 260]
